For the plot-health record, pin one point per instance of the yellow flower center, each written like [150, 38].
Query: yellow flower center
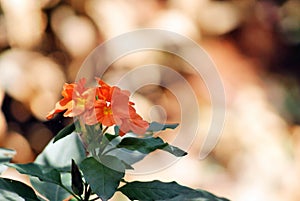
[81, 102]
[107, 111]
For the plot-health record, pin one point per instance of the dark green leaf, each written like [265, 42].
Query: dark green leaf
[72, 148]
[155, 126]
[143, 145]
[167, 191]
[148, 145]
[174, 150]
[103, 180]
[110, 137]
[77, 183]
[65, 132]
[39, 171]
[18, 189]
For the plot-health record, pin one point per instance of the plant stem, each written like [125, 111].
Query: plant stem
[113, 148]
[85, 189]
[76, 196]
[105, 129]
[87, 193]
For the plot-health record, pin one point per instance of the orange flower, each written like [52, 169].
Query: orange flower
[103, 104]
[76, 100]
[104, 113]
[134, 123]
[115, 108]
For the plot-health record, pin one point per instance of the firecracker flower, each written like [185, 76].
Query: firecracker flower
[101, 104]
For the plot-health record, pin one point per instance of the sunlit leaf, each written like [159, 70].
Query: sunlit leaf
[129, 157]
[60, 154]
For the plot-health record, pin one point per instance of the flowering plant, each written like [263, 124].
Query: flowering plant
[87, 160]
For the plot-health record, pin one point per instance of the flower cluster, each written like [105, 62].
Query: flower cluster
[104, 104]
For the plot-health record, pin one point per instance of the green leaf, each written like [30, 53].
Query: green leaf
[42, 172]
[167, 191]
[51, 191]
[174, 150]
[106, 139]
[6, 155]
[77, 183]
[65, 132]
[60, 154]
[143, 145]
[110, 137]
[72, 148]
[127, 156]
[17, 189]
[155, 126]
[117, 130]
[113, 162]
[103, 180]
[148, 145]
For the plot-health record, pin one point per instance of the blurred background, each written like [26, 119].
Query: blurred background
[254, 44]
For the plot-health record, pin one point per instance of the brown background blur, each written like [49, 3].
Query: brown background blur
[255, 45]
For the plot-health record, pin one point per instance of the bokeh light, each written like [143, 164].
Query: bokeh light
[254, 44]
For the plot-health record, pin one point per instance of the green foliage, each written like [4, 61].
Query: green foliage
[110, 137]
[42, 172]
[5, 156]
[54, 177]
[114, 163]
[155, 126]
[59, 155]
[171, 191]
[65, 132]
[52, 191]
[16, 189]
[77, 182]
[103, 180]
[148, 145]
